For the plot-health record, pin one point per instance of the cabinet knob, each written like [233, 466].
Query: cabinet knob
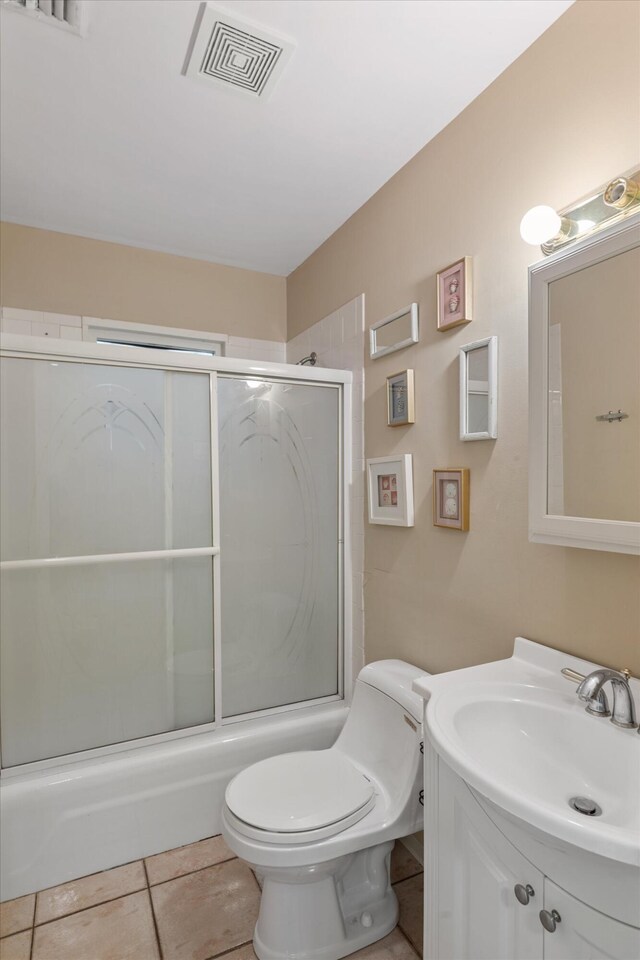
[523, 893]
[549, 920]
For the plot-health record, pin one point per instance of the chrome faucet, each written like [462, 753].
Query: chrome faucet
[623, 707]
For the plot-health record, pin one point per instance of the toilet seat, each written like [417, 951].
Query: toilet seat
[299, 797]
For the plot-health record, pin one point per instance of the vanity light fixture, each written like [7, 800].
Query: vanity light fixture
[544, 226]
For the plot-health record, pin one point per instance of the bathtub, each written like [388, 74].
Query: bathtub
[69, 821]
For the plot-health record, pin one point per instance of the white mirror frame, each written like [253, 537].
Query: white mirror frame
[492, 390]
[616, 536]
[375, 351]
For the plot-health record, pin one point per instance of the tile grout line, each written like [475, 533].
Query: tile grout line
[153, 912]
[257, 881]
[238, 946]
[73, 913]
[14, 933]
[394, 883]
[413, 947]
[33, 926]
[189, 872]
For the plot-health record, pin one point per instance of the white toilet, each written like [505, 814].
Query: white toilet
[318, 827]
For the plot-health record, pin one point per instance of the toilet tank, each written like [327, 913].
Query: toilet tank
[383, 733]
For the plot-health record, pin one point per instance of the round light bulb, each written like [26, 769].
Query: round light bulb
[539, 225]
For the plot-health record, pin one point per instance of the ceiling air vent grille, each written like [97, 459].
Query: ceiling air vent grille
[236, 54]
[69, 14]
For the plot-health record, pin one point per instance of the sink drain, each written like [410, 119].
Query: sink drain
[586, 806]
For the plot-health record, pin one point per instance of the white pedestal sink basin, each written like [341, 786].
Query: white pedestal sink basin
[516, 732]
[531, 748]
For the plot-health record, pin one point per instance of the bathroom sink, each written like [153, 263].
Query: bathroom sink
[517, 733]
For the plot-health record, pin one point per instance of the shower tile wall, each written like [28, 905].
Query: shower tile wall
[338, 340]
[67, 327]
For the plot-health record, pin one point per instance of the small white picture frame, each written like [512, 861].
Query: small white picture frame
[394, 332]
[479, 390]
[390, 490]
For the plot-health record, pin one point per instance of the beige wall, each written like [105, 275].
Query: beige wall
[560, 121]
[60, 273]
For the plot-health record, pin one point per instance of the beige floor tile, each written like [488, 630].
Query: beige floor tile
[403, 864]
[182, 860]
[120, 930]
[207, 912]
[89, 891]
[17, 947]
[410, 897]
[16, 915]
[394, 946]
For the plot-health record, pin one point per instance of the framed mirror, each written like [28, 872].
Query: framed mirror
[479, 390]
[394, 332]
[584, 393]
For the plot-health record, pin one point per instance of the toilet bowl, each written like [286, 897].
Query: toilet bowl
[318, 827]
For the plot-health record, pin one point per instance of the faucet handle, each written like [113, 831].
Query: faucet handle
[598, 706]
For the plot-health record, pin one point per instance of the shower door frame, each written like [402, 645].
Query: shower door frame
[41, 348]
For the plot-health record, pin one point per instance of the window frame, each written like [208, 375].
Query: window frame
[119, 333]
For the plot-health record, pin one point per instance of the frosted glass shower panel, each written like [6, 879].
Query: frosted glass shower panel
[279, 454]
[103, 459]
[100, 654]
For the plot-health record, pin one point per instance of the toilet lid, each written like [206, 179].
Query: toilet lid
[299, 791]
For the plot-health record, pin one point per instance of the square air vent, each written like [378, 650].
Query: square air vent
[68, 14]
[236, 54]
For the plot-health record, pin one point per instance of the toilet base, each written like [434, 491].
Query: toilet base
[328, 910]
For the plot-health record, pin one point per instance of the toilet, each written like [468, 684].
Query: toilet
[318, 827]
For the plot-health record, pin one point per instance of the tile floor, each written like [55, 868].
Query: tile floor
[193, 903]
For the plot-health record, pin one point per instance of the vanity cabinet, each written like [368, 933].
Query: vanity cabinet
[483, 897]
[478, 869]
[584, 933]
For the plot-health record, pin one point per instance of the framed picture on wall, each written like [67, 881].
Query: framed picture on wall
[455, 294]
[390, 490]
[400, 405]
[451, 498]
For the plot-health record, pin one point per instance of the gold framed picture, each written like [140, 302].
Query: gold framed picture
[451, 498]
[400, 399]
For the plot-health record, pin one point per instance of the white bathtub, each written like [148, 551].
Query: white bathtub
[83, 817]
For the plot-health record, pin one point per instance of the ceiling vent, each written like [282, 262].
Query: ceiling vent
[68, 14]
[236, 54]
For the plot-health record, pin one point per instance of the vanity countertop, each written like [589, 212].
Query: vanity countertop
[516, 732]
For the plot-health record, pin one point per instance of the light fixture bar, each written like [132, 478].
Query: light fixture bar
[543, 226]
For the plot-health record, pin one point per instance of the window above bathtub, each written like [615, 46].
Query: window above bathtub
[144, 335]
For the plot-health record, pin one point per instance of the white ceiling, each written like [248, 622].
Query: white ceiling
[104, 137]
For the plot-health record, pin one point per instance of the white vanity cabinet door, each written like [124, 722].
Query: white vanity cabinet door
[479, 916]
[584, 933]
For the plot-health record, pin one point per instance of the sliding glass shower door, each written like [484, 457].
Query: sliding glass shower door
[107, 546]
[142, 595]
[280, 542]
